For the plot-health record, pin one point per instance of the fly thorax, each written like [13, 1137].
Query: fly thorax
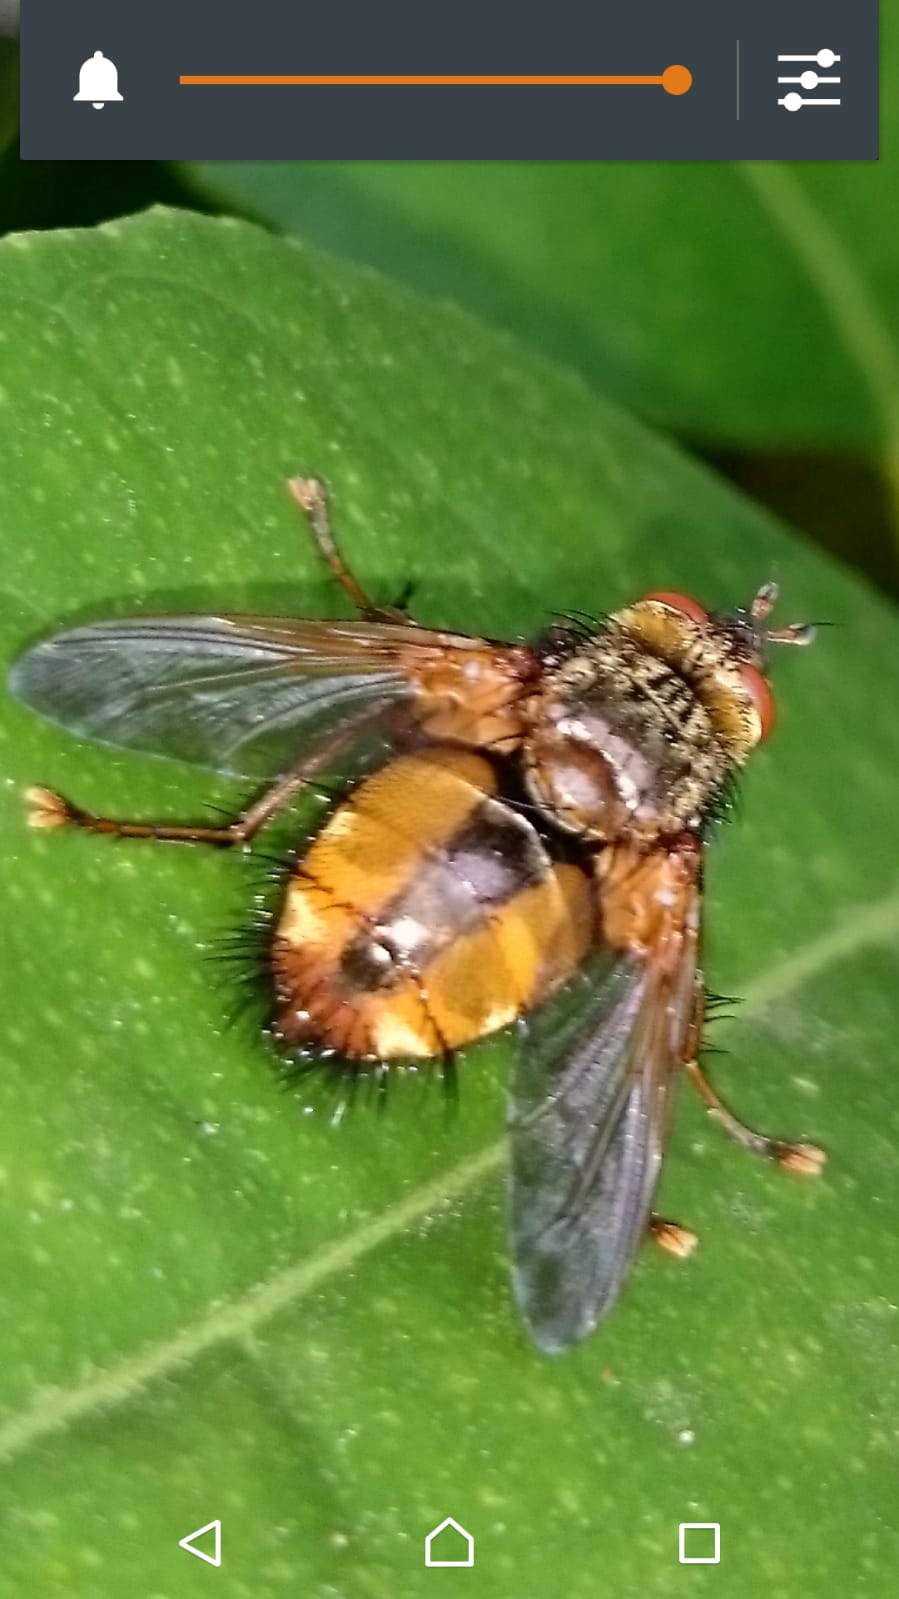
[621, 745]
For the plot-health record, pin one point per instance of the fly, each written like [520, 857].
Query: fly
[524, 846]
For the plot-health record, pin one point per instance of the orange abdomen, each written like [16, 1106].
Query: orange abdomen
[425, 914]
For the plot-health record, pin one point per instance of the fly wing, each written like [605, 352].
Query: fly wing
[591, 1102]
[240, 694]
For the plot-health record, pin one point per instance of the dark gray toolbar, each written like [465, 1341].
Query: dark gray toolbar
[699, 80]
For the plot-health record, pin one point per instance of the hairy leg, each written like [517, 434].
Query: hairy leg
[49, 810]
[805, 1159]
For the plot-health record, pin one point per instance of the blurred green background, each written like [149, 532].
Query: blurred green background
[752, 310]
[214, 1303]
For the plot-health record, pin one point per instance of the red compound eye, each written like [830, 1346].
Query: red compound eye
[759, 691]
[681, 602]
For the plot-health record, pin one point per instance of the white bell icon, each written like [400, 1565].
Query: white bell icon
[98, 81]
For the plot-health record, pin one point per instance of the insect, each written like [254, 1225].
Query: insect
[524, 845]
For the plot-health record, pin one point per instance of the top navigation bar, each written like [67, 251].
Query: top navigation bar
[651, 80]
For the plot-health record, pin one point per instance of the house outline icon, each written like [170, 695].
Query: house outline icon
[430, 1558]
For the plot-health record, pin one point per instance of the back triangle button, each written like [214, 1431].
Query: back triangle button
[189, 1543]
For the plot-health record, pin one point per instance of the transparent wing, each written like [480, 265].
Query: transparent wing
[240, 694]
[590, 1108]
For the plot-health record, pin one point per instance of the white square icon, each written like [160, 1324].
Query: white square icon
[714, 1559]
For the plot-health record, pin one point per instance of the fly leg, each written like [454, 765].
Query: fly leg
[311, 497]
[672, 1237]
[805, 1159]
[47, 810]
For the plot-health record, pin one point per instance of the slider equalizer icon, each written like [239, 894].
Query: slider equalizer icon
[809, 79]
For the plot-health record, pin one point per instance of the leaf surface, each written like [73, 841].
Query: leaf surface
[216, 1304]
[750, 304]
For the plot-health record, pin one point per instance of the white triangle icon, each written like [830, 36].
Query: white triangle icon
[188, 1543]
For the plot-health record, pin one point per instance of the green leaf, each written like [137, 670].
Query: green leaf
[218, 1305]
[747, 303]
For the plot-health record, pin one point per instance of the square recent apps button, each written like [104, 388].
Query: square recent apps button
[699, 1543]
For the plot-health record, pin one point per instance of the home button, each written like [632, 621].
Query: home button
[448, 1544]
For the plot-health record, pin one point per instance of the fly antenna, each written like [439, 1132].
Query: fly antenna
[762, 605]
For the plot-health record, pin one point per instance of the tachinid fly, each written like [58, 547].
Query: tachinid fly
[524, 845]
